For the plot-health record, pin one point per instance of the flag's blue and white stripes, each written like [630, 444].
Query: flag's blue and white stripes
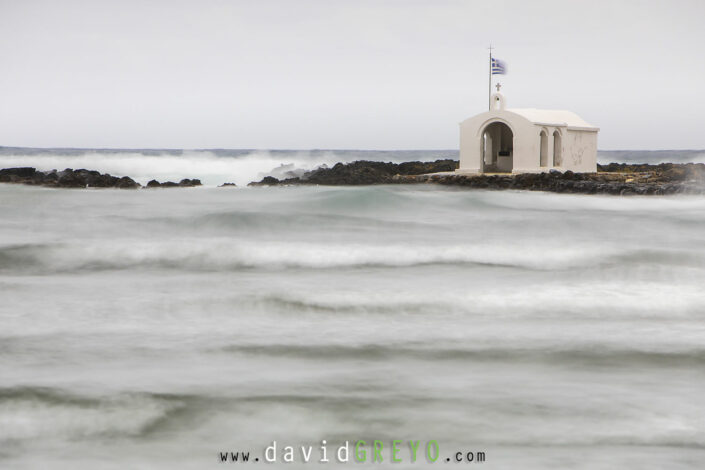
[498, 67]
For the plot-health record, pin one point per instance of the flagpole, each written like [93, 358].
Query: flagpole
[489, 88]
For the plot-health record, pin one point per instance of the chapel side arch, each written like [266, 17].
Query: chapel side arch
[497, 147]
[543, 148]
[557, 149]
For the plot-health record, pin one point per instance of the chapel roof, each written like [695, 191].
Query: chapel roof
[552, 117]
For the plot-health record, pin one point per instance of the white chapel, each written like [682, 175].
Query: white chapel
[505, 140]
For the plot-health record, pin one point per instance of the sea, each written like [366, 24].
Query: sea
[165, 328]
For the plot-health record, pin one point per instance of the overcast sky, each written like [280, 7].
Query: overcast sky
[384, 74]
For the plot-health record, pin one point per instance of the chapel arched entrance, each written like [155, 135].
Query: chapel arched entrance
[497, 148]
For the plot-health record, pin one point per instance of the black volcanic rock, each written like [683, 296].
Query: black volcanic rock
[127, 183]
[7, 174]
[67, 178]
[643, 180]
[184, 183]
[361, 172]
[672, 172]
[615, 178]
[189, 182]
[266, 181]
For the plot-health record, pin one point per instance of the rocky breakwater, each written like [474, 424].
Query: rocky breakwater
[67, 178]
[184, 183]
[361, 172]
[615, 178]
[70, 178]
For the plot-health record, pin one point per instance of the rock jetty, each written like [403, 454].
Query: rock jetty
[615, 178]
[67, 178]
[361, 173]
[184, 183]
[70, 178]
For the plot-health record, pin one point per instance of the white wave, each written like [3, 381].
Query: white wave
[32, 418]
[224, 253]
[593, 299]
[210, 168]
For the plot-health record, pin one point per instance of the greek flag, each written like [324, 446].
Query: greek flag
[498, 67]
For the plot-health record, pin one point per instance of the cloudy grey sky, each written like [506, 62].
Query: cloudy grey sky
[384, 74]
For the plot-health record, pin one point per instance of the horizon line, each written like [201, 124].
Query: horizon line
[204, 149]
